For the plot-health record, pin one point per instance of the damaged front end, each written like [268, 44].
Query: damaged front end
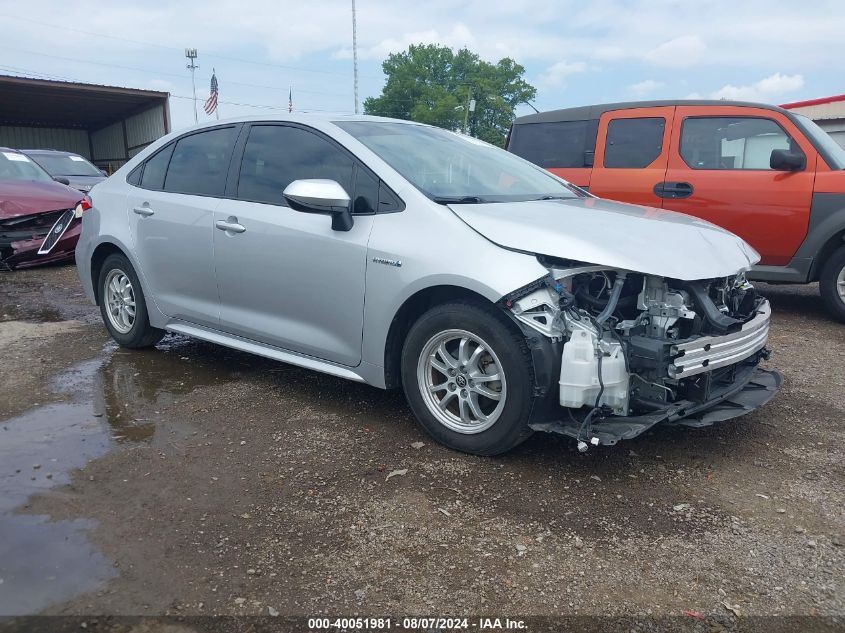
[40, 238]
[632, 350]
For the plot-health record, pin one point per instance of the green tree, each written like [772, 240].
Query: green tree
[432, 84]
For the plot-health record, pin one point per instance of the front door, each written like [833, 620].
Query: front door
[171, 214]
[286, 278]
[632, 151]
[719, 171]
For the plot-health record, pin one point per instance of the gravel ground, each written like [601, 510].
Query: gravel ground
[192, 480]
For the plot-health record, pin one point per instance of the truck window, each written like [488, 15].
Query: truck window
[732, 142]
[556, 144]
[633, 143]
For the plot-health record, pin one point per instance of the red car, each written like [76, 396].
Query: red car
[39, 217]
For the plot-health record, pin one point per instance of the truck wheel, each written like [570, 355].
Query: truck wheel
[122, 304]
[832, 284]
[468, 377]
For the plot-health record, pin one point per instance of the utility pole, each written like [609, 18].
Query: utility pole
[469, 108]
[191, 54]
[355, 54]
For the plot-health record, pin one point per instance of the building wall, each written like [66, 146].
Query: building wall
[108, 147]
[115, 144]
[65, 139]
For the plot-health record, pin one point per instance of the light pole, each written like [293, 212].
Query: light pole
[191, 54]
[355, 54]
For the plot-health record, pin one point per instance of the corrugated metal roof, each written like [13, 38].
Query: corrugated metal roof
[48, 103]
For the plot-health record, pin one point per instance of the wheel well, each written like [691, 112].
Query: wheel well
[407, 315]
[829, 248]
[97, 259]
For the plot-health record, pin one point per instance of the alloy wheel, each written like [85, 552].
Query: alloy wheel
[462, 381]
[120, 301]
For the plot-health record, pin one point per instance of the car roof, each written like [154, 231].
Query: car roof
[297, 117]
[48, 151]
[585, 113]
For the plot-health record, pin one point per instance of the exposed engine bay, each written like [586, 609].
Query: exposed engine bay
[639, 349]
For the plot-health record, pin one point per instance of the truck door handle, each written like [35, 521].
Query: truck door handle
[143, 211]
[230, 224]
[673, 190]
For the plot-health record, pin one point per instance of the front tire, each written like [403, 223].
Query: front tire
[468, 378]
[832, 284]
[122, 304]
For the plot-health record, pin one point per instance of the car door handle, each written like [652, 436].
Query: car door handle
[143, 211]
[230, 225]
[673, 190]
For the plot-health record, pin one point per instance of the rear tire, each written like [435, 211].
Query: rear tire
[832, 284]
[122, 304]
[459, 347]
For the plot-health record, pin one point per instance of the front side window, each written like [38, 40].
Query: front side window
[276, 155]
[832, 152]
[556, 144]
[449, 168]
[732, 142]
[633, 143]
[16, 166]
[200, 163]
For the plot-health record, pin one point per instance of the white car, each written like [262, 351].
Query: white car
[502, 299]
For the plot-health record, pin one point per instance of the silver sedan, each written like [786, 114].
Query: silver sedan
[502, 299]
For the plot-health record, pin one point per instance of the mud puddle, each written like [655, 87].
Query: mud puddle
[111, 400]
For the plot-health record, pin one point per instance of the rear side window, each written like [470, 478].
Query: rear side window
[276, 155]
[732, 142]
[557, 144]
[155, 169]
[633, 143]
[200, 163]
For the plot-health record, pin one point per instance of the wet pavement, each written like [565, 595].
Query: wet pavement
[44, 562]
[191, 479]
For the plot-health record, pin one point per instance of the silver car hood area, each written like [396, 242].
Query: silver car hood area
[613, 234]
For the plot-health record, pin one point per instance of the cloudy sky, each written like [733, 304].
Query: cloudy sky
[575, 53]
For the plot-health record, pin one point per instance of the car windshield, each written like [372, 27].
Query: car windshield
[16, 166]
[450, 168]
[831, 151]
[66, 165]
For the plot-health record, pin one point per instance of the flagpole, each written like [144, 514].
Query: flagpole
[355, 54]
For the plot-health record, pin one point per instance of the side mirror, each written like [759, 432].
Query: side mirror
[321, 196]
[62, 180]
[787, 160]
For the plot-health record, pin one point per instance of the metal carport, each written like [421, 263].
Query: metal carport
[106, 124]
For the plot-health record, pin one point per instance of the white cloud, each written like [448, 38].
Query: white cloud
[557, 73]
[458, 37]
[764, 90]
[645, 87]
[681, 52]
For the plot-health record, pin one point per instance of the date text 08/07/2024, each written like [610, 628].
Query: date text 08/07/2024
[415, 624]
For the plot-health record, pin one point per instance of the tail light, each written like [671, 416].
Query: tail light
[82, 206]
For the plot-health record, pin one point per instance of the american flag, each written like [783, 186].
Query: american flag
[290, 99]
[211, 102]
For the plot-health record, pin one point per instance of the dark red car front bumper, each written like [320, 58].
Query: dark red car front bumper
[21, 251]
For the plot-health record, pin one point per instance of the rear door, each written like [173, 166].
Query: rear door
[632, 153]
[171, 216]
[719, 171]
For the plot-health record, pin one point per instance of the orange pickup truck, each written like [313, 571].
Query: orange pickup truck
[769, 175]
